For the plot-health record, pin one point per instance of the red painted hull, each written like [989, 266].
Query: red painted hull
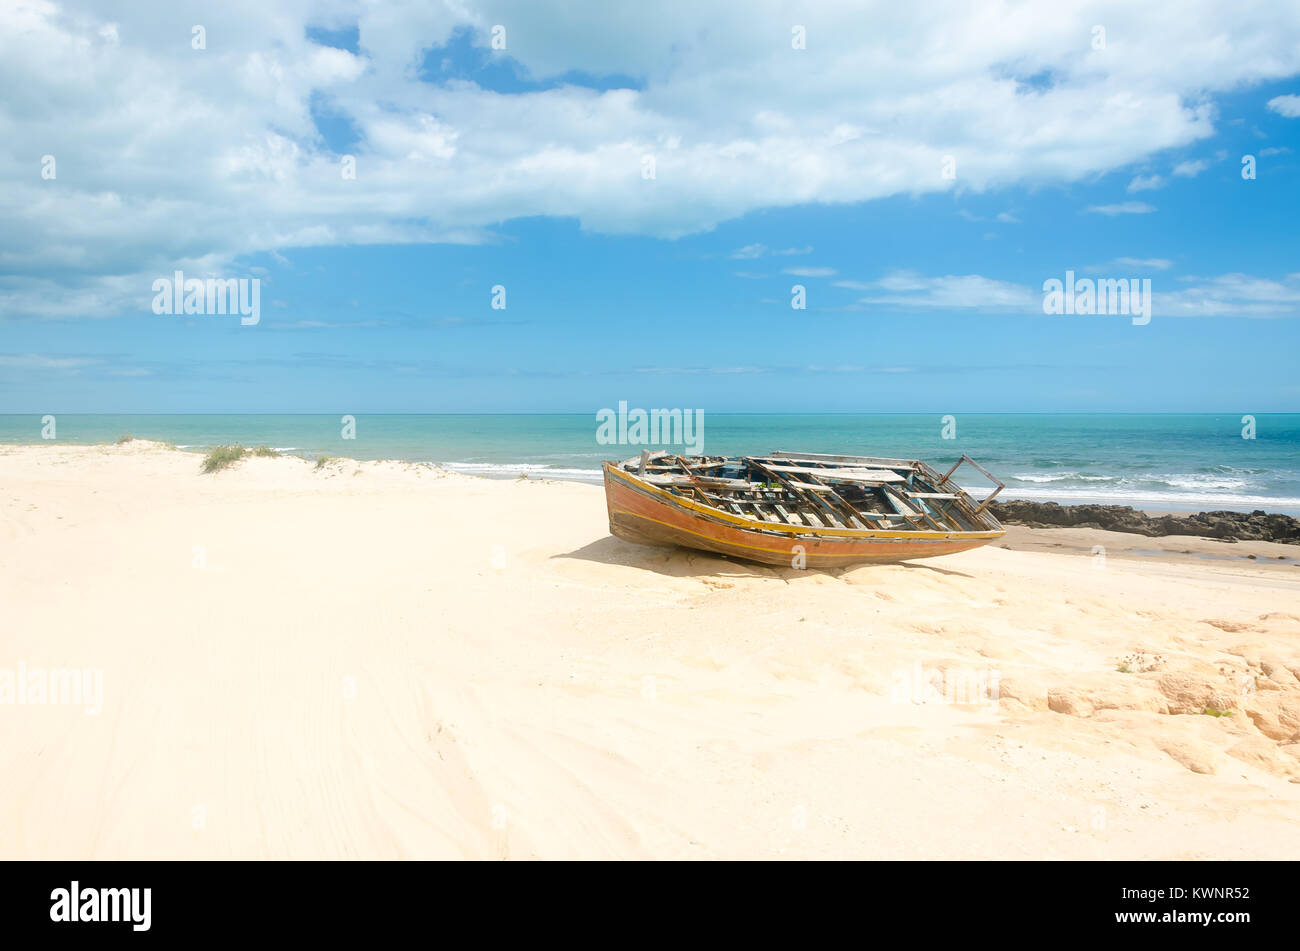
[647, 515]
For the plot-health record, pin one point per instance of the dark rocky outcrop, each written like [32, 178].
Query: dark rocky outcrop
[1227, 526]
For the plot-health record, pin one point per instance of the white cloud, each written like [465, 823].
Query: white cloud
[750, 251]
[1228, 295]
[810, 271]
[1288, 106]
[168, 154]
[1142, 183]
[1146, 264]
[40, 361]
[1005, 217]
[907, 289]
[1116, 267]
[1123, 208]
[698, 370]
[1232, 295]
[1191, 169]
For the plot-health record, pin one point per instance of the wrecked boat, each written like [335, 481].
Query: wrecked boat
[798, 509]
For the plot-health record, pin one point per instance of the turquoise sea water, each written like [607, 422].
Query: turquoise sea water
[1184, 462]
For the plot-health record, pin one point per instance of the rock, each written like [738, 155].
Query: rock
[1225, 526]
[1267, 722]
[1014, 691]
[1198, 757]
[1085, 700]
[1190, 693]
[1067, 701]
[1277, 718]
[1264, 755]
[1288, 714]
[1278, 672]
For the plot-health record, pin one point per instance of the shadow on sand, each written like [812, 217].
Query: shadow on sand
[688, 563]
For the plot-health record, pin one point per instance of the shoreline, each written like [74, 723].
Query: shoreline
[531, 470]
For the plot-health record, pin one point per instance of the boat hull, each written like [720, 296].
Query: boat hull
[646, 515]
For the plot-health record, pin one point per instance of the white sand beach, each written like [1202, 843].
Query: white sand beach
[383, 660]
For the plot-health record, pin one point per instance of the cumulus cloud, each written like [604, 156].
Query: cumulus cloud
[1288, 106]
[168, 155]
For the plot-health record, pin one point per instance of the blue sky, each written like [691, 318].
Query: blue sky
[923, 294]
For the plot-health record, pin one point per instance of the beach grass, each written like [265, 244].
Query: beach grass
[322, 461]
[222, 457]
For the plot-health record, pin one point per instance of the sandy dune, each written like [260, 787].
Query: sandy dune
[380, 660]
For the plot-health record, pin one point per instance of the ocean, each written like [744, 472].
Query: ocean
[1183, 462]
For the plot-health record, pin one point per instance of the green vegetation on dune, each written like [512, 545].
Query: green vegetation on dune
[222, 457]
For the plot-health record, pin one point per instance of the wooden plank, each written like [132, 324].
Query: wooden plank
[883, 516]
[789, 518]
[849, 511]
[835, 506]
[825, 510]
[841, 508]
[913, 513]
[904, 510]
[736, 505]
[809, 485]
[853, 475]
[813, 519]
[685, 480]
[825, 457]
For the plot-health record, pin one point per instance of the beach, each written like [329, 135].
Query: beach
[390, 660]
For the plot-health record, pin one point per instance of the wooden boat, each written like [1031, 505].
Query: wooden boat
[797, 509]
